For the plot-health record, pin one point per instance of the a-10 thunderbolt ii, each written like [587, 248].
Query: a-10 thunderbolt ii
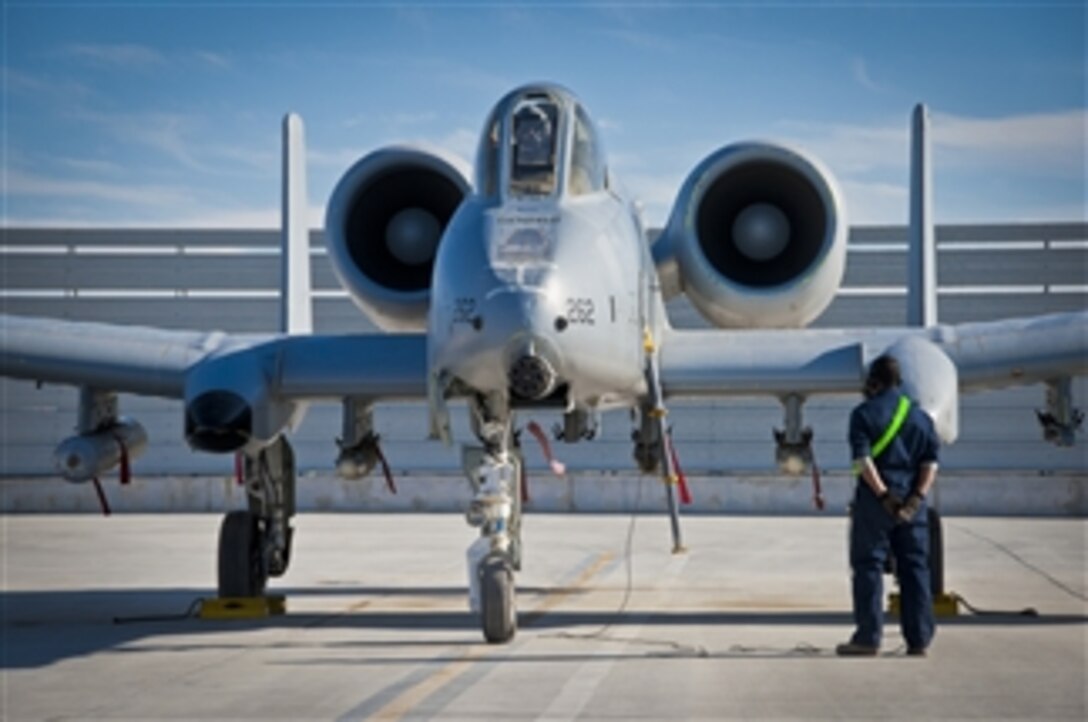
[534, 285]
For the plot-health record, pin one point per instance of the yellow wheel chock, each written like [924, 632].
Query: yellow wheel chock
[944, 605]
[243, 607]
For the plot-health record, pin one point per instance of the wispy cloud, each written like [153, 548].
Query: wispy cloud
[418, 19]
[1047, 142]
[18, 81]
[860, 70]
[640, 39]
[166, 133]
[851, 148]
[215, 60]
[656, 193]
[336, 158]
[459, 141]
[93, 166]
[1053, 141]
[19, 183]
[455, 74]
[873, 203]
[182, 138]
[610, 126]
[163, 132]
[394, 122]
[260, 159]
[128, 55]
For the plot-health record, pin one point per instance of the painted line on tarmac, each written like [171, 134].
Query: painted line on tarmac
[425, 684]
[579, 689]
[557, 596]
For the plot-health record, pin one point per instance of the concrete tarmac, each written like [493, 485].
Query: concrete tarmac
[613, 626]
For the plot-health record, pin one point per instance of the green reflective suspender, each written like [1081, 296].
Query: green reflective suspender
[900, 416]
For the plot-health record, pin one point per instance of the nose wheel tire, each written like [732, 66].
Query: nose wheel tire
[242, 570]
[497, 614]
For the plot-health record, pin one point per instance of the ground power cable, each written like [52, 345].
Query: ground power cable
[1027, 611]
[675, 649]
[190, 613]
[1025, 563]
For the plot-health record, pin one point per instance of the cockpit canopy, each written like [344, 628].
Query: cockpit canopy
[539, 142]
[534, 140]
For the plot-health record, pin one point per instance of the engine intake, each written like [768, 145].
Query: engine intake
[758, 234]
[232, 404]
[218, 421]
[383, 226]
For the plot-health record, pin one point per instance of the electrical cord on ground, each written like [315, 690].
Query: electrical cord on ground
[801, 649]
[192, 611]
[1028, 611]
[628, 559]
[1025, 612]
[675, 649]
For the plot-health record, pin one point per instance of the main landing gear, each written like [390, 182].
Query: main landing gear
[255, 544]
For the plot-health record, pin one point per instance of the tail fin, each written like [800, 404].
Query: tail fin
[296, 314]
[922, 273]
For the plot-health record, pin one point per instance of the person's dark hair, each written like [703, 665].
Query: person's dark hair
[883, 374]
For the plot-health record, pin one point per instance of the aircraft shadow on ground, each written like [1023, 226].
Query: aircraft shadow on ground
[42, 628]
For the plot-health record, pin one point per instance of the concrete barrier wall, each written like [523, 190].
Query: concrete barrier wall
[964, 494]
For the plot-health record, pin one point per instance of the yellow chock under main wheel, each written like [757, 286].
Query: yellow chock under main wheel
[944, 605]
[243, 607]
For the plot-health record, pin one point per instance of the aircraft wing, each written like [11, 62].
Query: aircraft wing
[132, 359]
[987, 355]
[157, 362]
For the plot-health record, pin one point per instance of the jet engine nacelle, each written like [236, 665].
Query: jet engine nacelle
[86, 456]
[383, 226]
[758, 235]
[230, 404]
[931, 379]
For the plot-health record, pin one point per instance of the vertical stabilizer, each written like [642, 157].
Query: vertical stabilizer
[922, 264]
[296, 314]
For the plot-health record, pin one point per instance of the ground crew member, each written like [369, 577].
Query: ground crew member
[894, 448]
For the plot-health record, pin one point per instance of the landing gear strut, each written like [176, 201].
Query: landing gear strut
[255, 544]
[494, 472]
[496, 554]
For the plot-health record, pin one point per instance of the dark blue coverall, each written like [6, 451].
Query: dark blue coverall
[873, 530]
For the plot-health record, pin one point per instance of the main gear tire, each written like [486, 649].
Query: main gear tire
[242, 570]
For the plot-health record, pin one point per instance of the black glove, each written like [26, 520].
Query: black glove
[891, 503]
[910, 506]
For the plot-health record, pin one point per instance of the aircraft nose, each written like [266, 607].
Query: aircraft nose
[517, 326]
[532, 377]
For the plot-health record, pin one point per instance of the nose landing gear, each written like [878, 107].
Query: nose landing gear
[494, 473]
[496, 554]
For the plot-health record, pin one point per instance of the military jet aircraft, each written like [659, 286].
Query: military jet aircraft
[531, 282]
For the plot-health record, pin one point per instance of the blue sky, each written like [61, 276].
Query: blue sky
[159, 114]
